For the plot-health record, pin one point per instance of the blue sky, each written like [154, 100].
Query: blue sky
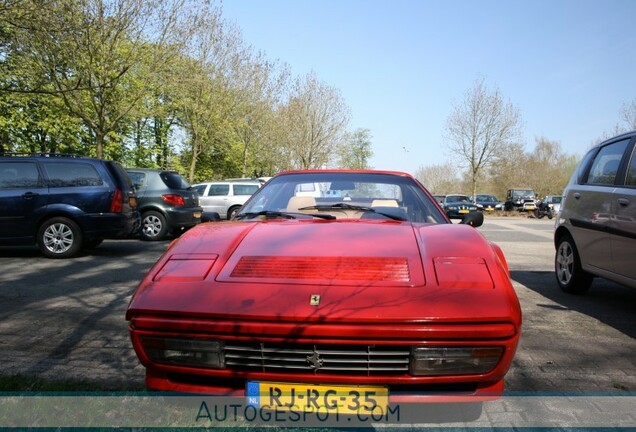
[569, 66]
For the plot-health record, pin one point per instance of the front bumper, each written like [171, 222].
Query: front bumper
[403, 387]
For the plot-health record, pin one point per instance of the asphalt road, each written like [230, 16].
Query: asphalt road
[64, 319]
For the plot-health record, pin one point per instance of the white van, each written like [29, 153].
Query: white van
[225, 197]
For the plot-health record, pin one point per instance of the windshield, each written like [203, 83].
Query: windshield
[342, 195]
[486, 198]
[523, 193]
[456, 198]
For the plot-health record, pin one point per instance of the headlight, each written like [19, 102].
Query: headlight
[185, 352]
[436, 361]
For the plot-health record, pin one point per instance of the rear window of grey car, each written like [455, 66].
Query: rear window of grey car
[606, 163]
[18, 175]
[174, 180]
[65, 174]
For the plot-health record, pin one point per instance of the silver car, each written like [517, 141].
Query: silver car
[224, 197]
[596, 230]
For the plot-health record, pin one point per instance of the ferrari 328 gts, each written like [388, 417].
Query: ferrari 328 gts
[334, 288]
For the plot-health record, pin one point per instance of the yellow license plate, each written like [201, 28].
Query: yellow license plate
[317, 398]
[463, 211]
[197, 215]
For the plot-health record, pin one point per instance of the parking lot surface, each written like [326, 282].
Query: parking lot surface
[64, 319]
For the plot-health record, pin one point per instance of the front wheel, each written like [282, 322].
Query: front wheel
[538, 214]
[59, 237]
[567, 267]
[153, 226]
[233, 211]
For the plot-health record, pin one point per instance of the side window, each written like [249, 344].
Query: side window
[219, 190]
[18, 175]
[606, 163]
[631, 170]
[65, 174]
[245, 189]
[200, 189]
[138, 179]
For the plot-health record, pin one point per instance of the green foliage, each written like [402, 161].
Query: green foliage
[356, 151]
[111, 79]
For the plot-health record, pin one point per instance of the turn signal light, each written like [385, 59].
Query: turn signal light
[435, 361]
[185, 352]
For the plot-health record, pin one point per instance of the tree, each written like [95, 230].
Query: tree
[87, 51]
[550, 167]
[356, 150]
[438, 179]
[628, 115]
[203, 90]
[315, 119]
[479, 127]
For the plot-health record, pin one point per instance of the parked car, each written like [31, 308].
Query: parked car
[369, 294]
[521, 199]
[554, 201]
[439, 198]
[261, 180]
[595, 232]
[64, 203]
[167, 203]
[225, 198]
[457, 206]
[486, 202]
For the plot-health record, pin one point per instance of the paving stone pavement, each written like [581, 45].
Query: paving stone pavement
[64, 319]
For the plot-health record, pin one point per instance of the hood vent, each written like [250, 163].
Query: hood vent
[323, 268]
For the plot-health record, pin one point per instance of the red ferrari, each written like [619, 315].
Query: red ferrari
[333, 288]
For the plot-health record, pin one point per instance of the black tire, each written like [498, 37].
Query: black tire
[92, 243]
[153, 226]
[59, 237]
[232, 211]
[538, 214]
[508, 206]
[550, 214]
[567, 267]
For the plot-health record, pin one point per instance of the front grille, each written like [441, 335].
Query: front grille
[361, 360]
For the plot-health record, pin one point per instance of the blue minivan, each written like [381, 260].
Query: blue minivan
[64, 203]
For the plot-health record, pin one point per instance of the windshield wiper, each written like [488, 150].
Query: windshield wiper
[338, 206]
[270, 214]
[345, 206]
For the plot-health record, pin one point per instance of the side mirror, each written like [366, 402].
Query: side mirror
[475, 219]
[208, 216]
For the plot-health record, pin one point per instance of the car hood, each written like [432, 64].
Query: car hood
[349, 270]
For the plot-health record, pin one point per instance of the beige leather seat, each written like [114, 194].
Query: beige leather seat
[298, 202]
[384, 203]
